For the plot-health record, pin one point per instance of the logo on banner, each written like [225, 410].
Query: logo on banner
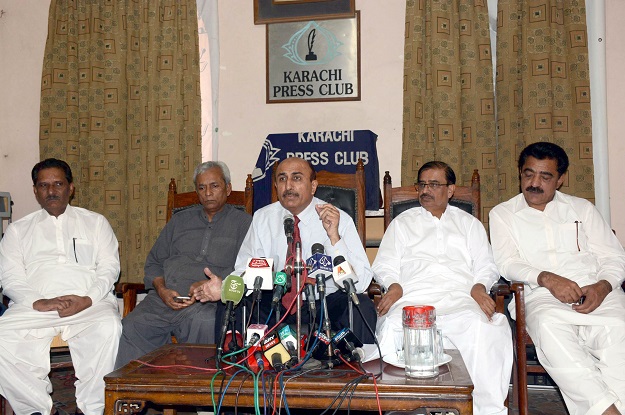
[270, 159]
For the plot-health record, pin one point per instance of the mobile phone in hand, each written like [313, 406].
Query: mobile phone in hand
[181, 298]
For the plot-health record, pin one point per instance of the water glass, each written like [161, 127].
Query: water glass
[398, 338]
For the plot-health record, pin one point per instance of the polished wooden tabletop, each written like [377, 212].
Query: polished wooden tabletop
[181, 374]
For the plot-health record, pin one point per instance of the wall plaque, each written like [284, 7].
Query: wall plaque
[316, 60]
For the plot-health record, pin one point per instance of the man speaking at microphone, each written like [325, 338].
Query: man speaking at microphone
[196, 241]
[316, 222]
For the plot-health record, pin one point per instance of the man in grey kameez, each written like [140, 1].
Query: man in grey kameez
[196, 242]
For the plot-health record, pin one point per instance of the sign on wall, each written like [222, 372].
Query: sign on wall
[314, 61]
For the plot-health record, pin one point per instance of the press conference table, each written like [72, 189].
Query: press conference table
[131, 387]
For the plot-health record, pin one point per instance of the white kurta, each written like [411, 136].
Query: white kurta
[437, 262]
[571, 239]
[44, 257]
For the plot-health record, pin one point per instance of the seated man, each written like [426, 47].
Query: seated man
[561, 247]
[439, 255]
[207, 235]
[318, 222]
[58, 266]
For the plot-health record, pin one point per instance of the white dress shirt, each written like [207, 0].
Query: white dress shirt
[42, 256]
[266, 238]
[568, 238]
[436, 261]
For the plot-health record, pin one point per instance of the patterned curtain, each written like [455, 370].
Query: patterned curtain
[449, 106]
[543, 88]
[121, 104]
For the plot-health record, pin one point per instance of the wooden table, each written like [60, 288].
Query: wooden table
[129, 388]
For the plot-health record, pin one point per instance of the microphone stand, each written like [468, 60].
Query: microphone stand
[299, 269]
[325, 325]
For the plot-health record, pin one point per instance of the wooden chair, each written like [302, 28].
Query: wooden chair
[521, 342]
[344, 190]
[399, 199]
[175, 203]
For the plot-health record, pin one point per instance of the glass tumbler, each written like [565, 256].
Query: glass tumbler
[420, 341]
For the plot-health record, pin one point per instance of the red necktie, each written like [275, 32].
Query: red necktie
[287, 299]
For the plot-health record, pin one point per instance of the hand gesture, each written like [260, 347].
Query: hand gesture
[481, 297]
[209, 290]
[394, 293]
[330, 218]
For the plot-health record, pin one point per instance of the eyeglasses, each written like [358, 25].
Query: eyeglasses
[433, 185]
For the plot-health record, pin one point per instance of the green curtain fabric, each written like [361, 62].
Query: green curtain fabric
[543, 88]
[121, 104]
[449, 105]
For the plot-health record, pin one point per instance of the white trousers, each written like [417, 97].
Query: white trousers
[485, 347]
[587, 361]
[92, 336]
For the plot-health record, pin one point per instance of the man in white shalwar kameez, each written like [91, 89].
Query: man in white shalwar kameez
[58, 265]
[573, 267]
[439, 255]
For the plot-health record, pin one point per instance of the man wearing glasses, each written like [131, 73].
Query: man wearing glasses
[437, 254]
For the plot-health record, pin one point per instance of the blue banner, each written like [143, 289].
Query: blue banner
[335, 151]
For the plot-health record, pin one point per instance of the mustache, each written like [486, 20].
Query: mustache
[288, 193]
[532, 189]
[53, 198]
[425, 196]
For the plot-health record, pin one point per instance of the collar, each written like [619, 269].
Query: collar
[217, 216]
[309, 213]
[69, 213]
[556, 208]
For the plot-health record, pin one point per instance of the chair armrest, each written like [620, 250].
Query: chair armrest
[128, 291]
[375, 292]
[499, 292]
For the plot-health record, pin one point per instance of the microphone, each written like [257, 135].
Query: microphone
[258, 282]
[232, 290]
[344, 277]
[287, 338]
[289, 226]
[319, 266]
[254, 333]
[347, 344]
[279, 288]
[274, 351]
[260, 267]
[310, 298]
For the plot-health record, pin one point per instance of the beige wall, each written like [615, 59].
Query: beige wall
[244, 118]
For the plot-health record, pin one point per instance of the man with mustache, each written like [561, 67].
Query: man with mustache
[58, 265]
[437, 254]
[194, 251]
[573, 267]
[318, 222]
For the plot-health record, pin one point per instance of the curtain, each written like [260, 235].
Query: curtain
[121, 104]
[449, 105]
[543, 88]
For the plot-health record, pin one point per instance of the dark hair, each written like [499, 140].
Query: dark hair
[52, 163]
[450, 176]
[313, 172]
[545, 150]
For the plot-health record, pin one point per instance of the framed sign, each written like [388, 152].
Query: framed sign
[314, 61]
[277, 11]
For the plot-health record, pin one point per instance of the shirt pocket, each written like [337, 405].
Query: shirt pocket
[569, 237]
[81, 251]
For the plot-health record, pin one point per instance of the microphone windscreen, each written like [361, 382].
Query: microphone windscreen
[338, 260]
[317, 248]
[232, 289]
